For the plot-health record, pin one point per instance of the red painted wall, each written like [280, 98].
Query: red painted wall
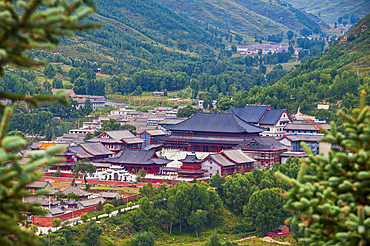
[47, 221]
[103, 182]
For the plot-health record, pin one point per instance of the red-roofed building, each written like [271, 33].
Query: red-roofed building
[281, 231]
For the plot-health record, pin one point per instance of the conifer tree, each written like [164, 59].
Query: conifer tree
[27, 25]
[49, 71]
[335, 201]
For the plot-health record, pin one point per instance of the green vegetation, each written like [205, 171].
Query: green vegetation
[27, 28]
[330, 10]
[331, 77]
[235, 207]
[186, 112]
[264, 17]
[332, 205]
[83, 167]
[56, 222]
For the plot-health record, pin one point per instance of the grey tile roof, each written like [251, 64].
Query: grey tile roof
[160, 161]
[76, 190]
[152, 146]
[216, 123]
[263, 142]
[96, 149]
[80, 152]
[155, 132]
[130, 156]
[44, 201]
[237, 156]
[55, 211]
[304, 125]
[119, 134]
[171, 121]
[250, 113]
[272, 116]
[281, 227]
[133, 140]
[221, 160]
[304, 138]
[190, 159]
[91, 202]
[39, 185]
[110, 195]
[117, 137]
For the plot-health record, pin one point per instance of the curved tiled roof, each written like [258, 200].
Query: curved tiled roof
[96, 149]
[251, 113]
[91, 202]
[221, 160]
[76, 190]
[217, 123]
[140, 157]
[272, 116]
[80, 152]
[238, 156]
[263, 142]
[190, 159]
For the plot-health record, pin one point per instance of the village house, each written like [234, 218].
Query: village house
[281, 231]
[157, 94]
[96, 101]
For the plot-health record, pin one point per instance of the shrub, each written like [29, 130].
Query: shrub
[56, 222]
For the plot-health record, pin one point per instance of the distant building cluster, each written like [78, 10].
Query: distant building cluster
[96, 101]
[265, 48]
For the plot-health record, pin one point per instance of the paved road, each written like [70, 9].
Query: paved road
[72, 222]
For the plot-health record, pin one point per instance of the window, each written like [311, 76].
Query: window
[211, 162]
[210, 168]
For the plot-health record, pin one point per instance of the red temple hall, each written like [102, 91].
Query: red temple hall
[209, 132]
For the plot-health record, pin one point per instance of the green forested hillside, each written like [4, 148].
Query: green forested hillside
[330, 77]
[331, 10]
[247, 18]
